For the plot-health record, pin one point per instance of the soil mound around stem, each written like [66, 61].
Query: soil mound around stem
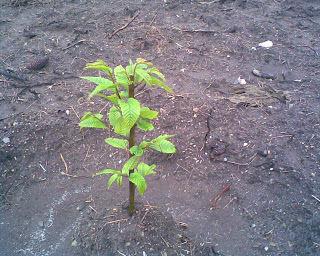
[150, 231]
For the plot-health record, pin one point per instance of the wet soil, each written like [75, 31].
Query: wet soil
[245, 179]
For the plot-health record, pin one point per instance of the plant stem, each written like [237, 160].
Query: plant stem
[132, 187]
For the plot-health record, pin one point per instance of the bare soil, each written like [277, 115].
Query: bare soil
[245, 179]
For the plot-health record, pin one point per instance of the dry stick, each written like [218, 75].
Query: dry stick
[144, 216]
[75, 112]
[65, 164]
[225, 189]
[211, 2]
[74, 44]
[234, 198]
[241, 164]
[121, 253]
[150, 24]
[316, 198]
[116, 221]
[195, 30]
[124, 26]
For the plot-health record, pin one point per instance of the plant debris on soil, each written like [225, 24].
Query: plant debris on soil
[245, 179]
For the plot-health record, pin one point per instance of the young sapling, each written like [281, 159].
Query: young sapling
[125, 116]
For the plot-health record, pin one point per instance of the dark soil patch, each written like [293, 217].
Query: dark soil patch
[259, 138]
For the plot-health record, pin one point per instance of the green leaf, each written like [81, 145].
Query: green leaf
[113, 97]
[130, 68]
[121, 75]
[130, 111]
[143, 61]
[108, 171]
[159, 83]
[99, 65]
[147, 113]
[113, 115]
[98, 80]
[155, 71]
[130, 165]
[112, 179]
[90, 120]
[117, 121]
[143, 75]
[136, 150]
[145, 169]
[137, 179]
[117, 143]
[102, 87]
[119, 180]
[145, 125]
[162, 145]
[144, 144]
[162, 137]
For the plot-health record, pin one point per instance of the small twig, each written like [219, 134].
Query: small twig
[282, 136]
[124, 26]
[65, 164]
[42, 167]
[316, 198]
[195, 30]
[234, 198]
[121, 253]
[116, 221]
[153, 19]
[184, 168]
[85, 158]
[74, 44]
[167, 244]
[75, 112]
[93, 209]
[75, 176]
[241, 164]
[144, 216]
[224, 189]
[211, 2]
[150, 24]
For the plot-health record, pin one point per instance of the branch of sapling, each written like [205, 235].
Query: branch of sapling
[127, 116]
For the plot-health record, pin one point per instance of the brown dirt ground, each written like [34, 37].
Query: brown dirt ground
[260, 138]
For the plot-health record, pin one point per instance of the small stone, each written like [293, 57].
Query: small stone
[261, 74]
[68, 112]
[225, 159]
[266, 248]
[6, 140]
[266, 44]
[245, 144]
[74, 243]
[127, 244]
[81, 207]
[41, 224]
[253, 225]
[241, 81]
